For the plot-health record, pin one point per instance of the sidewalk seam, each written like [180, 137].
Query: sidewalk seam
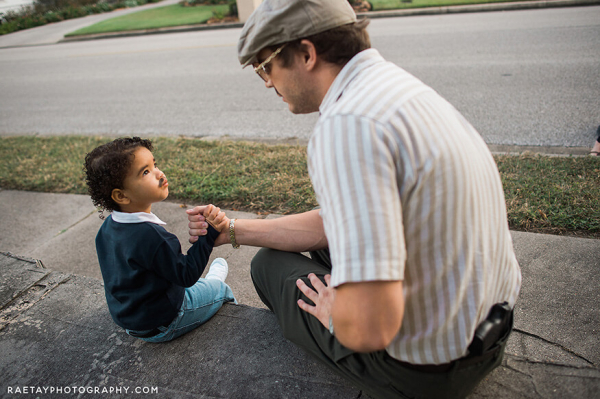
[13, 303]
[555, 344]
[74, 224]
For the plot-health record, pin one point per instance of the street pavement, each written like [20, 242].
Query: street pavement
[55, 32]
[554, 351]
[524, 77]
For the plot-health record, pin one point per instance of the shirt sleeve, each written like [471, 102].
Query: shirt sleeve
[354, 169]
[184, 270]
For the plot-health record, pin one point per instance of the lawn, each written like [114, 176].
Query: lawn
[557, 195]
[161, 17]
[178, 15]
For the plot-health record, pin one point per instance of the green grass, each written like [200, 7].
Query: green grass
[379, 5]
[557, 195]
[161, 17]
[177, 15]
[234, 175]
[552, 194]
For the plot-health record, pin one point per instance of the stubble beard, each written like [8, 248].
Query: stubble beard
[301, 102]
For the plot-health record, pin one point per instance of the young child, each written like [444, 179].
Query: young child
[153, 291]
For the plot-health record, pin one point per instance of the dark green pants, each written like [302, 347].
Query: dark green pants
[274, 274]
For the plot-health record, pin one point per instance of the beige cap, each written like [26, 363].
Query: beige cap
[281, 21]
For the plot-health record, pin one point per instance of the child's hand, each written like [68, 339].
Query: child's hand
[216, 218]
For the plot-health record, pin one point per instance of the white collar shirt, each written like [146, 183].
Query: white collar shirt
[136, 217]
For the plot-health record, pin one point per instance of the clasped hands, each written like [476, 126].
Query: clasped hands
[322, 295]
[201, 216]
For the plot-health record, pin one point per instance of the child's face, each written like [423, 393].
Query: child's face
[145, 184]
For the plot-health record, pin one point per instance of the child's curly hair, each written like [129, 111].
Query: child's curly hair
[106, 168]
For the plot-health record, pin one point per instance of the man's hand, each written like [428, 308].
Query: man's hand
[368, 315]
[322, 296]
[198, 226]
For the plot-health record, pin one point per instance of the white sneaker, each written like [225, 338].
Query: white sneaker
[218, 270]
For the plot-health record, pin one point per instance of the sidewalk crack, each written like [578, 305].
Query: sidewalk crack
[529, 376]
[544, 363]
[21, 303]
[555, 344]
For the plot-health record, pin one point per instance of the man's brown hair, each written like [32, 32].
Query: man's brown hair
[336, 46]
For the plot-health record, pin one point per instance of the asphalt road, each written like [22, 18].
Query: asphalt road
[521, 77]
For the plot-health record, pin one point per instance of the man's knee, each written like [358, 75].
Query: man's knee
[266, 271]
[261, 263]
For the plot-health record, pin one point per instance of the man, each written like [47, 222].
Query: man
[412, 213]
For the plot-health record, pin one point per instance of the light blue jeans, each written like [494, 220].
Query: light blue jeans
[200, 302]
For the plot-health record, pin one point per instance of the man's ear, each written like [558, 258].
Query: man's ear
[119, 197]
[309, 54]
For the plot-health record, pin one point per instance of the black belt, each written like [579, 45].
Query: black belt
[442, 368]
[488, 340]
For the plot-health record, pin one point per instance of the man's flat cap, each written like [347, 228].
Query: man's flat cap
[281, 21]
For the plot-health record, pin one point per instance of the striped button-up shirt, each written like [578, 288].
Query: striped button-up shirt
[409, 191]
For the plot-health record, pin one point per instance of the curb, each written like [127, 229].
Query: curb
[496, 149]
[143, 32]
[550, 151]
[512, 6]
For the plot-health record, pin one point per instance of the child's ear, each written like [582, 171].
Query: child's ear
[119, 197]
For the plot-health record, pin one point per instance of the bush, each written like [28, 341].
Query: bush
[233, 11]
[52, 16]
[71, 12]
[46, 11]
[8, 27]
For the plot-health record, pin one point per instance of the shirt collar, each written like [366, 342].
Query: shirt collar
[136, 217]
[356, 65]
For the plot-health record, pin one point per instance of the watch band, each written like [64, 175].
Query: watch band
[234, 244]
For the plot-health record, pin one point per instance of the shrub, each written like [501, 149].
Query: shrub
[8, 27]
[233, 11]
[52, 16]
[46, 11]
[71, 12]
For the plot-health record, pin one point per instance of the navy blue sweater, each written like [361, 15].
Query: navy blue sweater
[145, 272]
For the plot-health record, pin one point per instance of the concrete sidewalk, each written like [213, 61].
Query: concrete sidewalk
[55, 329]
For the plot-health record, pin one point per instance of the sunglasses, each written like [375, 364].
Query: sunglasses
[263, 69]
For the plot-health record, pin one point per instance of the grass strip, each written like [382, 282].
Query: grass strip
[552, 194]
[235, 175]
[380, 5]
[557, 195]
[178, 15]
[160, 17]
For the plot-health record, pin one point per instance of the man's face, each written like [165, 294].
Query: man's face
[292, 83]
[145, 184]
